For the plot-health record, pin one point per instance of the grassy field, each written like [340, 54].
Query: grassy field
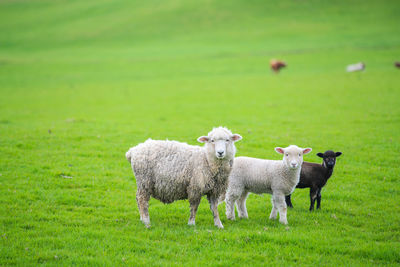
[83, 81]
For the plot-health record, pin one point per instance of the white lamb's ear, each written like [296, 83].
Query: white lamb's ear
[236, 137]
[279, 150]
[307, 150]
[203, 139]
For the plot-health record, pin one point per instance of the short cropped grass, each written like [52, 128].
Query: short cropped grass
[83, 81]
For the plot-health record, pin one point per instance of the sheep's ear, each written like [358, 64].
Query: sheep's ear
[307, 150]
[320, 155]
[203, 139]
[236, 137]
[338, 154]
[279, 150]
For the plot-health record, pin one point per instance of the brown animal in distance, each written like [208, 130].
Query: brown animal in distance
[397, 64]
[276, 65]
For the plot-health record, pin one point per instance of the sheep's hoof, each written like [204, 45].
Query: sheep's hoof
[191, 223]
[220, 226]
[146, 222]
[272, 217]
[283, 222]
[230, 218]
[147, 225]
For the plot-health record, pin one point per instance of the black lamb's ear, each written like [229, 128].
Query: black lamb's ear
[338, 154]
[320, 155]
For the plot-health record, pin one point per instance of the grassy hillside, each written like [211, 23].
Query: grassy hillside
[82, 81]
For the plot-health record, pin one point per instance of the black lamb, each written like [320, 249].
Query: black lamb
[315, 176]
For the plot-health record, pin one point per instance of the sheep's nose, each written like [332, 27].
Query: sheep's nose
[294, 164]
[220, 154]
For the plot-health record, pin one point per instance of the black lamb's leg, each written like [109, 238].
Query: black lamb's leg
[319, 198]
[313, 196]
[289, 201]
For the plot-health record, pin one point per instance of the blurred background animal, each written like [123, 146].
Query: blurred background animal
[356, 67]
[277, 65]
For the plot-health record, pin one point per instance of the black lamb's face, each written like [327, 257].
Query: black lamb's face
[329, 158]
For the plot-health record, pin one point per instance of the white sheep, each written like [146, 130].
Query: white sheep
[276, 177]
[356, 67]
[170, 171]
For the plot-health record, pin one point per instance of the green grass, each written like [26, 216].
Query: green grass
[103, 76]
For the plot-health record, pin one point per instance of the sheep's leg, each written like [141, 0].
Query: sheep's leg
[241, 206]
[194, 204]
[313, 196]
[274, 211]
[289, 201]
[142, 199]
[221, 199]
[279, 205]
[319, 198]
[214, 208]
[230, 205]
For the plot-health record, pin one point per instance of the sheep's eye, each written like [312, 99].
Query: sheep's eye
[227, 140]
[299, 155]
[212, 140]
[287, 154]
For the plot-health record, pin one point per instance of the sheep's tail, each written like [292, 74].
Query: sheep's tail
[128, 155]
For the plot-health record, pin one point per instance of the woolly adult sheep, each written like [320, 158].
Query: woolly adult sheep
[276, 177]
[170, 171]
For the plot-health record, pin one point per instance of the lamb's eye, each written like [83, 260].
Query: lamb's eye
[227, 140]
[212, 140]
[287, 154]
[299, 155]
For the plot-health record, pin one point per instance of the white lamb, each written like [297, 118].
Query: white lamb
[170, 171]
[276, 177]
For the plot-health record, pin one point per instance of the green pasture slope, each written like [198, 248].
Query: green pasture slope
[83, 81]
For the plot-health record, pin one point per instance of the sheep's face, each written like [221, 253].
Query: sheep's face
[293, 155]
[220, 143]
[329, 158]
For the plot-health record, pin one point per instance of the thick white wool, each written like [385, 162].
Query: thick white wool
[171, 170]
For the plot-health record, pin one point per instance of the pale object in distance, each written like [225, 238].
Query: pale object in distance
[356, 67]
